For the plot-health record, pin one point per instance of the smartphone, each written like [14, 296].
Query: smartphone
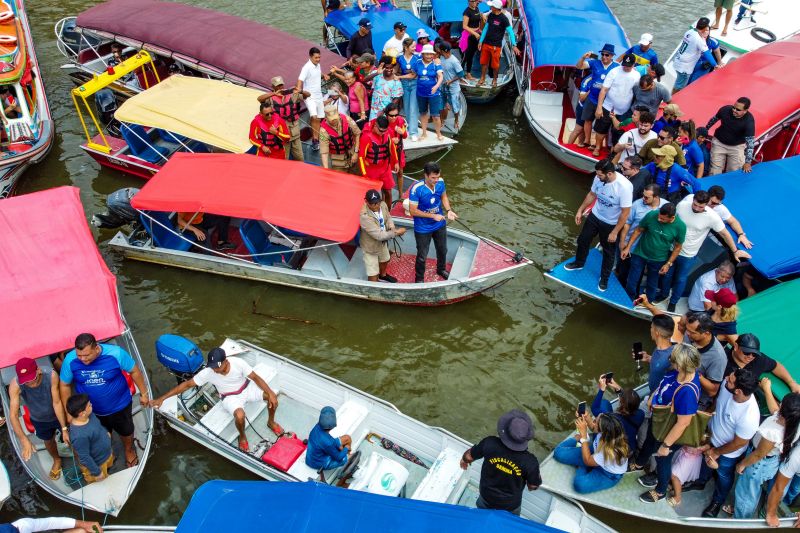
[638, 301]
[608, 377]
[593, 56]
[637, 351]
[581, 408]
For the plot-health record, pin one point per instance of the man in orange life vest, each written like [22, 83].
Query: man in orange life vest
[268, 133]
[287, 104]
[377, 155]
[338, 139]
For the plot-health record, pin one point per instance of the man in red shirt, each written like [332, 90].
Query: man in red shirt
[377, 155]
[269, 133]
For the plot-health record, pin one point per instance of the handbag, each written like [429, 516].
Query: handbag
[463, 41]
[664, 418]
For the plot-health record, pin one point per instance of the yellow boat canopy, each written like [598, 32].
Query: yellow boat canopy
[214, 112]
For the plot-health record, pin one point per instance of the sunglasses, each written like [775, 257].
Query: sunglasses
[393, 115]
[738, 109]
[663, 138]
[604, 54]
[268, 114]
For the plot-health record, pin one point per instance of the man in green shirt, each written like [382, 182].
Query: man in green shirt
[662, 235]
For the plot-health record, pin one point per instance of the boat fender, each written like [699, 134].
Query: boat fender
[518, 105]
[763, 35]
[6, 16]
[8, 39]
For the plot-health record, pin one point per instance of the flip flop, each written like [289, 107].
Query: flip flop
[673, 502]
[55, 474]
[244, 446]
[278, 429]
[131, 464]
[727, 508]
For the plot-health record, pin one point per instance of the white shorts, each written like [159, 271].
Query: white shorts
[250, 394]
[316, 108]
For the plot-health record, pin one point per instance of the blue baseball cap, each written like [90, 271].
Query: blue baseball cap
[327, 418]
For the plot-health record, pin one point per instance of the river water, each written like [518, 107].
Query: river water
[531, 344]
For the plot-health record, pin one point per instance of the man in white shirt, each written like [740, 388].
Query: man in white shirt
[612, 195]
[310, 81]
[394, 46]
[237, 384]
[616, 96]
[692, 47]
[734, 423]
[713, 280]
[717, 195]
[633, 140]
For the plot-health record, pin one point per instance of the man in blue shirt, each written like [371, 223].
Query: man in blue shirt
[599, 69]
[426, 200]
[673, 179]
[325, 451]
[645, 55]
[98, 370]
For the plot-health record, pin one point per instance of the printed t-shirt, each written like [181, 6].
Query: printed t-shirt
[102, 379]
[504, 473]
[407, 65]
[599, 73]
[383, 93]
[691, 48]
[686, 399]
[226, 383]
[657, 239]
[697, 226]
[733, 419]
[643, 57]
[495, 29]
[429, 201]
[612, 198]
[427, 78]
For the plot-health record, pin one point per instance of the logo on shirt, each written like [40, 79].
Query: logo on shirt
[506, 466]
[388, 482]
[93, 377]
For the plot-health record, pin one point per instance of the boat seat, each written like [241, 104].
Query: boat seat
[141, 145]
[462, 262]
[356, 269]
[547, 110]
[321, 261]
[257, 242]
[163, 237]
[220, 422]
[443, 477]
[562, 516]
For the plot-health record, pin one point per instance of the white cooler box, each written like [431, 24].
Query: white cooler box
[380, 475]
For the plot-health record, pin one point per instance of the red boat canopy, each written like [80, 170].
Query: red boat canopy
[244, 48]
[769, 76]
[54, 284]
[297, 196]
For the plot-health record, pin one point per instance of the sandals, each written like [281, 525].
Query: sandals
[633, 467]
[673, 502]
[55, 474]
[277, 429]
[244, 445]
[727, 508]
[131, 464]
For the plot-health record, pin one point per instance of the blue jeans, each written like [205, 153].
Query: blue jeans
[792, 490]
[726, 474]
[569, 453]
[681, 81]
[748, 487]
[676, 278]
[638, 264]
[587, 479]
[410, 109]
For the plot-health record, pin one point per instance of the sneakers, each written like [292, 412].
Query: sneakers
[387, 278]
[670, 307]
[648, 481]
[651, 496]
[694, 485]
[602, 285]
[712, 510]
[444, 274]
[414, 138]
[574, 265]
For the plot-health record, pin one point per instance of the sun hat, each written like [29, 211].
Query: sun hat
[515, 430]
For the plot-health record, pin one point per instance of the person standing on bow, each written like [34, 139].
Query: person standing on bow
[429, 94]
[377, 155]
[288, 108]
[490, 44]
[310, 81]
[269, 134]
[398, 129]
[426, 200]
[338, 138]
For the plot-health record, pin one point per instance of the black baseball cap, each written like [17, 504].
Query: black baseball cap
[373, 197]
[749, 344]
[703, 23]
[365, 23]
[399, 25]
[216, 358]
[628, 60]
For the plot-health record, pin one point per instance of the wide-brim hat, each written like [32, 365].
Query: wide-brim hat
[515, 430]
[608, 48]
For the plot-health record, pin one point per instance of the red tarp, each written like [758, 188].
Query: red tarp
[54, 284]
[298, 196]
[769, 76]
[247, 49]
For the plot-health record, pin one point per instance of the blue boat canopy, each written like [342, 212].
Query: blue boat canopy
[452, 10]
[382, 18]
[312, 507]
[751, 198]
[559, 32]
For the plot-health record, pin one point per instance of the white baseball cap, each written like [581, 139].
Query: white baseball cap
[497, 4]
[646, 39]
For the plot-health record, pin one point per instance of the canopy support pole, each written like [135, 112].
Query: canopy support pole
[791, 140]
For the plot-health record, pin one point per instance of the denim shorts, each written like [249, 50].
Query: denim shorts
[429, 103]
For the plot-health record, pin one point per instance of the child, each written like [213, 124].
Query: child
[90, 440]
[324, 451]
[686, 468]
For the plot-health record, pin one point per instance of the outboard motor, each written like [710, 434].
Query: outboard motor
[106, 103]
[182, 358]
[119, 211]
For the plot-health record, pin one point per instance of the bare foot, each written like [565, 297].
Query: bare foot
[455, 127]
[440, 137]
[494, 83]
[423, 136]
[715, 26]
[481, 81]
[724, 32]
[469, 77]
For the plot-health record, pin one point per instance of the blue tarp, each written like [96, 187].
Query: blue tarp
[763, 202]
[560, 31]
[452, 10]
[313, 507]
[382, 19]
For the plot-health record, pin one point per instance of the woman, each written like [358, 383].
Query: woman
[602, 463]
[409, 82]
[429, 94]
[680, 388]
[628, 412]
[472, 22]
[725, 313]
[422, 39]
[774, 441]
[687, 137]
[385, 88]
[356, 95]
[398, 130]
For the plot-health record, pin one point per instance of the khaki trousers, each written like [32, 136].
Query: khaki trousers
[726, 158]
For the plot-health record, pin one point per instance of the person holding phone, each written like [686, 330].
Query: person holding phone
[627, 411]
[662, 327]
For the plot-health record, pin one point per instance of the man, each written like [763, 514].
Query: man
[697, 331]
[665, 137]
[428, 203]
[394, 45]
[634, 139]
[612, 196]
[699, 220]
[288, 108]
[54, 523]
[237, 384]
[98, 370]
[643, 51]
[90, 440]
[310, 81]
[734, 423]
[377, 155]
[675, 181]
[734, 141]
[716, 196]
[201, 225]
[9, 102]
[451, 88]
[361, 41]
[746, 353]
[615, 97]
[338, 138]
[661, 329]
[269, 134]
[632, 169]
[39, 388]
[693, 47]
[599, 71]
[669, 118]
[701, 68]
[718, 5]
[377, 228]
[662, 235]
[650, 93]
[650, 201]
[713, 280]
[490, 44]
[324, 451]
[508, 467]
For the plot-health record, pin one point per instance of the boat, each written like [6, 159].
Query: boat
[770, 77]
[28, 135]
[414, 461]
[309, 249]
[45, 301]
[341, 24]
[775, 256]
[556, 35]
[5, 485]
[763, 22]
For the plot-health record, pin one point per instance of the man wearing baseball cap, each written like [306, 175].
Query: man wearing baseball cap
[377, 229]
[693, 47]
[39, 388]
[288, 105]
[490, 44]
[394, 46]
[507, 466]
[746, 353]
[325, 451]
[237, 384]
[361, 41]
[643, 51]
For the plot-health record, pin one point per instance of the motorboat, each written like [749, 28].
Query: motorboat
[5, 485]
[27, 130]
[45, 301]
[755, 24]
[774, 255]
[313, 248]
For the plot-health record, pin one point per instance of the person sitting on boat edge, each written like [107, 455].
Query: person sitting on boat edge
[201, 224]
[377, 229]
[324, 451]
[338, 140]
[237, 384]
[90, 440]
[288, 108]
[98, 370]
[451, 88]
[51, 523]
[10, 104]
[490, 43]
[427, 198]
[39, 388]
[269, 134]
[628, 413]
[508, 467]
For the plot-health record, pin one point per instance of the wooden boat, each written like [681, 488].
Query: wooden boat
[547, 79]
[446, 17]
[27, 134]
[435, 476]
[80, 295]
[314, 252]
[763, 22]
